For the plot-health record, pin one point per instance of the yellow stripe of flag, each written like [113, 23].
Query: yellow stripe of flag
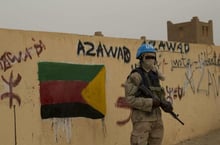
[94, 93]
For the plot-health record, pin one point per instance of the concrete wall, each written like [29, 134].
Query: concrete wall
[192, 83]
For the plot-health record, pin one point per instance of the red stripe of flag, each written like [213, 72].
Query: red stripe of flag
[55, 92]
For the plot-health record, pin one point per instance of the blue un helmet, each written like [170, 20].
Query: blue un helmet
[145, 48]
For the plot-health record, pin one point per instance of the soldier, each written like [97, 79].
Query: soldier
[146, 115]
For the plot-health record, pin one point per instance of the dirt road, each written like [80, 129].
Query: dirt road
[212, 138]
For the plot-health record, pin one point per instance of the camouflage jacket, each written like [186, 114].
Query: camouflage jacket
[142, 106]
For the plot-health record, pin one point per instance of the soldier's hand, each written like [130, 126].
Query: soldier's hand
[166, 106]
[154, 68]
[156, 102]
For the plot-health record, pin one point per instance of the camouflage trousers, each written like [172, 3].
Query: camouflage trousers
[147, 133]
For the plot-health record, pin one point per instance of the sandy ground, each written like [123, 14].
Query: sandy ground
[212, 138]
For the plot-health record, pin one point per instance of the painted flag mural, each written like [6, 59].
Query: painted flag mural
[72, 90]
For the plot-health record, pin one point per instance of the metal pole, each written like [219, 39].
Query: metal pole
[15, 125]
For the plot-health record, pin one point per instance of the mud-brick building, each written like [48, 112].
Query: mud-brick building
[194, 31]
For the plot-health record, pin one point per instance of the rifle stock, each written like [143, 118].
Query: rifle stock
[147, 92]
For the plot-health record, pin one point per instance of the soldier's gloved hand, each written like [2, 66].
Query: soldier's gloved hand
[166, 106]
[156, 102]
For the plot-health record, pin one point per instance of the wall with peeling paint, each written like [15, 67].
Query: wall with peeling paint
[192, 82]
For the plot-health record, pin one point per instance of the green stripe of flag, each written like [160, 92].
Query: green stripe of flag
[64, 71]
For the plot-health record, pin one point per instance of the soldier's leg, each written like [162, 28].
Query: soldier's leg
[156, 134]
[140, 133]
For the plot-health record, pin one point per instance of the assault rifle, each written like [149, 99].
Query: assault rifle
[147, 92]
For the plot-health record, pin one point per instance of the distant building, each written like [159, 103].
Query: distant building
[191, 32]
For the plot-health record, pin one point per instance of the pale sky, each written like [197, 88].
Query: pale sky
[115, 18]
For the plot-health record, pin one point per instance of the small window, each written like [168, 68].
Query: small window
[181, 32]
[205, 31]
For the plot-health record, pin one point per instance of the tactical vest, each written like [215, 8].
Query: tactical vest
[151, 81]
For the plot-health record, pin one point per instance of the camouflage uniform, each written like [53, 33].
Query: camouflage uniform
[146, 120]
[146, 114]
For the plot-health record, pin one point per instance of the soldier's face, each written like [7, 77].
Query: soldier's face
[149, 58]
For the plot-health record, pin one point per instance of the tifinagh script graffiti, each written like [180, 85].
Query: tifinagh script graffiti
[7, 59]
[11, 84]
[89, 49]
